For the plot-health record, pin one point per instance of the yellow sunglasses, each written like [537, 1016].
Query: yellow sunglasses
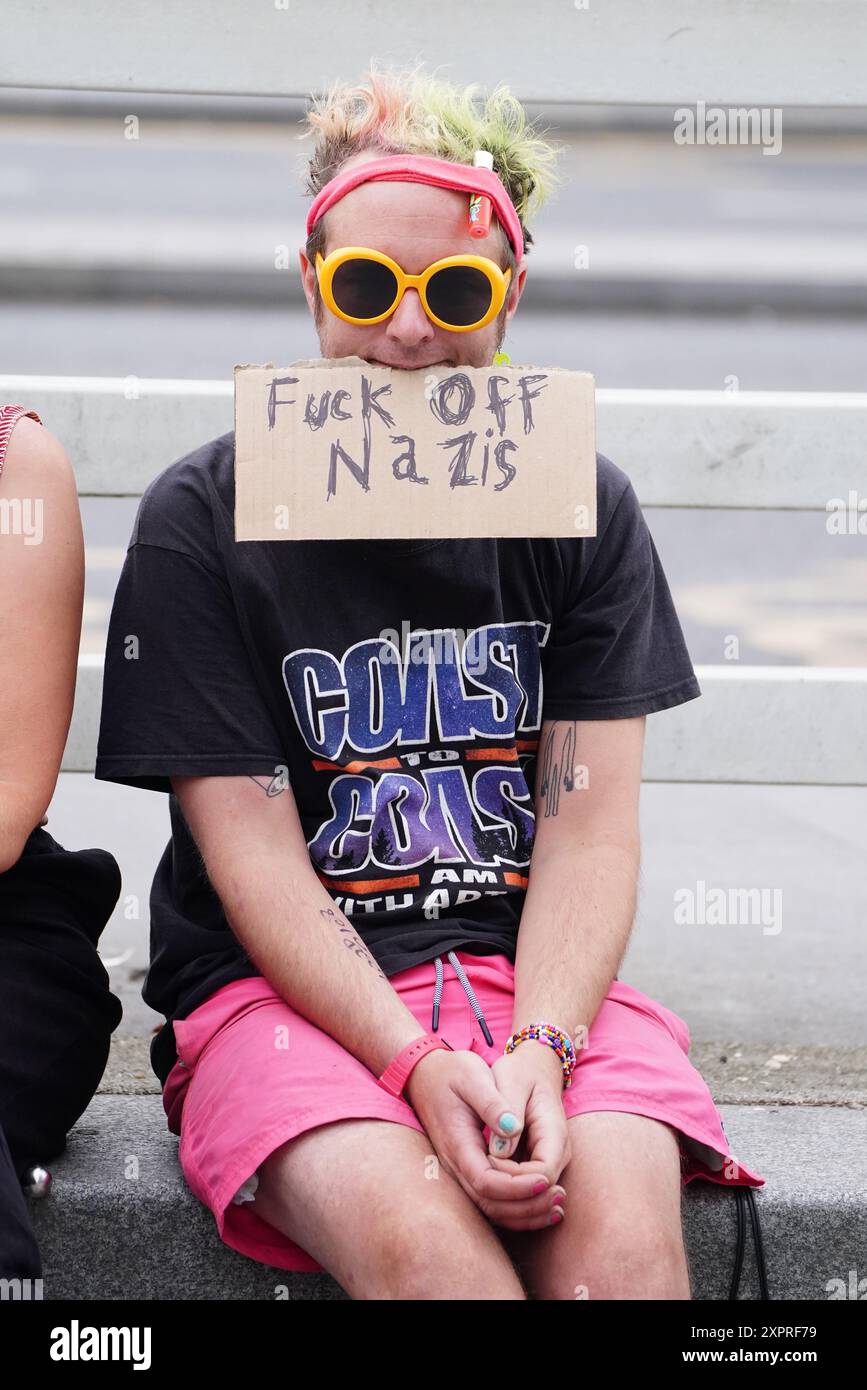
[459, 293]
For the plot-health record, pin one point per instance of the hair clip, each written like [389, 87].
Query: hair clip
[479, 215]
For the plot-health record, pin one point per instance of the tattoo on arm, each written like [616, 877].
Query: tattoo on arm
[557, 766]
[276, 784]
[350, 938]
[348, 935]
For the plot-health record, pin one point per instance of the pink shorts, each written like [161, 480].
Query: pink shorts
[234, 1100]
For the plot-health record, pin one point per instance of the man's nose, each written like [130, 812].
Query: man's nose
[409, 323]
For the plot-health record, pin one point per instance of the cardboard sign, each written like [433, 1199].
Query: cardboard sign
[339, 449]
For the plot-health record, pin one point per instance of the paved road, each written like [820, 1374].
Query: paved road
[651, 220]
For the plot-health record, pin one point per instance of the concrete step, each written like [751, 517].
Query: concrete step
[106, 1235]
[110, 261]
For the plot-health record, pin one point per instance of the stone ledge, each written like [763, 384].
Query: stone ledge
[104, 1235]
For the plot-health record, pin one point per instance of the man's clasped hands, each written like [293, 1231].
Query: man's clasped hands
[514, 1179]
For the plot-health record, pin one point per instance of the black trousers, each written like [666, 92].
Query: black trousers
[57, 1012]
[19, 1253]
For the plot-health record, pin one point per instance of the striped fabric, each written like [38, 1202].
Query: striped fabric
[8, 416]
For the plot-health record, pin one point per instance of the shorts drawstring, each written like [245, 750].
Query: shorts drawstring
[468, 990]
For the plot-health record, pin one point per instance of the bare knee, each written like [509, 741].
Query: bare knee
[641, 1259]
[377, 1224]
[440, 1253]
[623, 1234]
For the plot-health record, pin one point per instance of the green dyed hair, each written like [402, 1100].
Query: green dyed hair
[407, 111]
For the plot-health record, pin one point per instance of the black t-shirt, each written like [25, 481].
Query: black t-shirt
[398, 686]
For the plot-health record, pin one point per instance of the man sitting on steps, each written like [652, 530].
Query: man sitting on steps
[402, 966]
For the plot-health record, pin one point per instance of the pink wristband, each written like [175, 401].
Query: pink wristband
[398, 1071]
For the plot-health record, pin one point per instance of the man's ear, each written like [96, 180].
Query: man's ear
[308, 277]
[516, 287]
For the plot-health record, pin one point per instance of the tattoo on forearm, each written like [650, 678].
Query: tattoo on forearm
[557, 766]
[351, 939]
[276, 784]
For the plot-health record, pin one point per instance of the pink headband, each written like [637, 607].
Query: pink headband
[422, 168]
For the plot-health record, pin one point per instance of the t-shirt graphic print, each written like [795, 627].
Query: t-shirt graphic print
[423, 754]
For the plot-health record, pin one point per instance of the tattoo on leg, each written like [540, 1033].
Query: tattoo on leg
[557, 769]
[351, 939]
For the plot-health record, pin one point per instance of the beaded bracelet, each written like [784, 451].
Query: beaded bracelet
[552, 1037]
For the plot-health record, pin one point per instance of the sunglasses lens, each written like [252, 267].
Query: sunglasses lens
[459, 294]
[363, 289]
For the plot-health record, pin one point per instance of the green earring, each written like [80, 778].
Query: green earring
[502, 359]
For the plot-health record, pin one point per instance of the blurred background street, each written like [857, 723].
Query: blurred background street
[708, 267]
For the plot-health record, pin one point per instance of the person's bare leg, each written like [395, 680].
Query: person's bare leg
[621, 1235]
[367, 1199]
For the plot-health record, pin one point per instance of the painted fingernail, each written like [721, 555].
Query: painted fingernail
[556, 1215]
[499, 1144]
[508, 1122]
[540, 1186]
